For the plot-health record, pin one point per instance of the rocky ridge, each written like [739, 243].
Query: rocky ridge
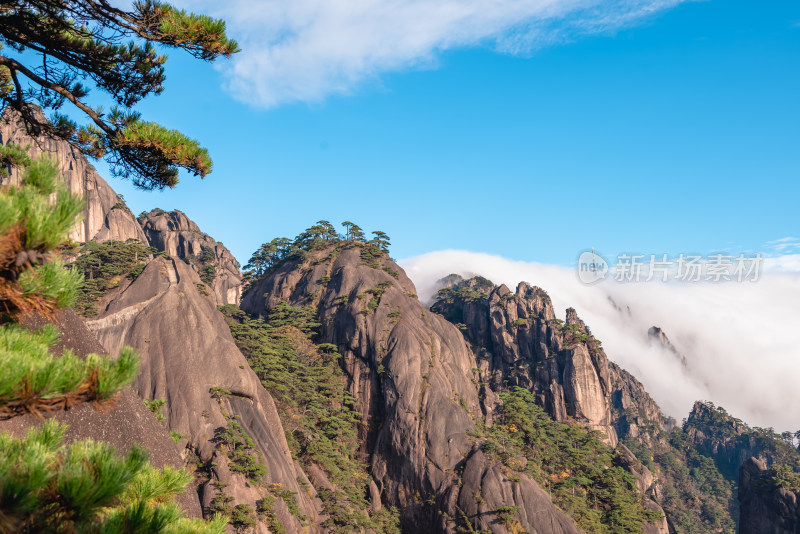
[106, 216]
[422, 391]
[179, 237]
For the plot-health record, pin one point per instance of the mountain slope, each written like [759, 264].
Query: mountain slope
[213, 399]
[420, 390]
[179, 237]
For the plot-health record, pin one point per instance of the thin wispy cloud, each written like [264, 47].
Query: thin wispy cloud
[784, 244]
[740, 339]
[305, 50]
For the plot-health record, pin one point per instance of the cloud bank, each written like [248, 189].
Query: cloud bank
[741, 340]
[305, 50]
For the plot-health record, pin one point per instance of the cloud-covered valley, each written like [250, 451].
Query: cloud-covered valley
[741, 340]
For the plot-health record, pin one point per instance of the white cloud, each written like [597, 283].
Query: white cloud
[741, 339]
[304, 50]
[784, 244]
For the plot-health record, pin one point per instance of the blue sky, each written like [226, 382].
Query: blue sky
[674, 132]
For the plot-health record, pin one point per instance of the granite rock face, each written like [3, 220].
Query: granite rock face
[106, 217]
[187, 350]
[177, 235]
[518, 341]
[411, 372]
[765, 509]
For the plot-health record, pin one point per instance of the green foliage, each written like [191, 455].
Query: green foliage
[176, 436]
[207, 270]
[155, 406]
[377, 293]
[574, 464]
[288, 497]
[12, 155]
[304, 318]
[266, 512]
[318, 413]
[370, 254]
[34, 380]
[219, 393]
[391, 272]
[87, 487]
[35, 218]
[450, 301]
[241, 516]
[105, 266]
[699, 470]
[240, 449]
[270, 256]
[55, 50]
[784, 477]
[574, 333]
[381, 240]
[694, 494]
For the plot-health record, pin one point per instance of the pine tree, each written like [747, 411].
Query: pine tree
[381, 240]
[51, 48]
[44, 485]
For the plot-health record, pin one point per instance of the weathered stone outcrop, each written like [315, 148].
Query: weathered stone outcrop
[634, 413]
[657, 336]
[523, 344]
[412, 375]
[177, 235]
[187, 350]
[766, 509]
[518, 341]
[106, 216]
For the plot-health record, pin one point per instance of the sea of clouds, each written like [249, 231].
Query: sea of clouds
[741, 339]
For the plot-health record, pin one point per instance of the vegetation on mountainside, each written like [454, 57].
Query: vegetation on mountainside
[207, 270]
[105, 266]
[571, 462]
[698, 467]
[46, 486]
[450, 300]
[240, 449]
[87, 487]
[271, 255]
[693, 493]
[318, 414]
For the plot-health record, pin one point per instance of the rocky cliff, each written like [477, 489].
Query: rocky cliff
[411, 374]
[177, 235]
[767, 507]
[106, 216]
[519, 341]
[190, 361]
[424, 395]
